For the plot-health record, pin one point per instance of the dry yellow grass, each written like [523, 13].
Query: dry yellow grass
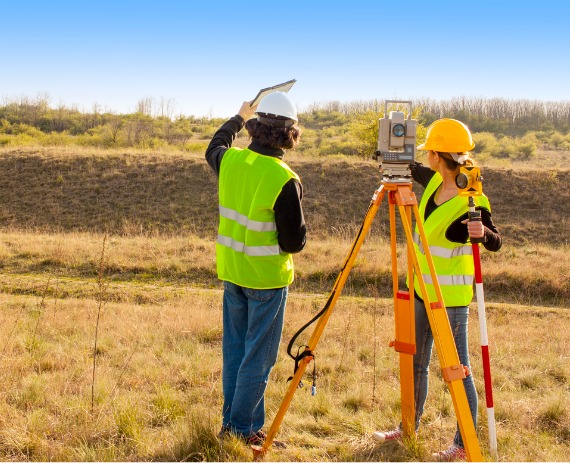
[139, 265]
[157, 388]
[158, 391]
[158, 378]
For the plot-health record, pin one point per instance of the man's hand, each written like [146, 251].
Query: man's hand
[246, 111]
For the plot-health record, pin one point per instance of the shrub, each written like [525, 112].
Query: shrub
[485, 142]
[21, 139]
[57, 139]
[96, 140]
[526, 150]
[157, 143]
[195, 147]
[24, 129]
[558, 141]
[364, 130]
[488, 145]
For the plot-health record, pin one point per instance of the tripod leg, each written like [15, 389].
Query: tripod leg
[260, 451]
[348, 264]
[453, 372]
[405, 342]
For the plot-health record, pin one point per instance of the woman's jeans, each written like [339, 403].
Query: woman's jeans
[458, 320]
[253, 323]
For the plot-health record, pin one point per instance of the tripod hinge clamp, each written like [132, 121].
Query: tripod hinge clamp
[455, 372]
[436, 305]
[403, 347]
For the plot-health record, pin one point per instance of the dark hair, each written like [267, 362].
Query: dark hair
[451, 163]
[274, 137]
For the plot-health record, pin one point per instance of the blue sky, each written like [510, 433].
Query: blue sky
[207, 57]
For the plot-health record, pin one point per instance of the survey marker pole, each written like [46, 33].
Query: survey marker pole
[476, 215]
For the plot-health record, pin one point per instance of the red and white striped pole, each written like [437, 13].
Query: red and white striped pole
[476, 215]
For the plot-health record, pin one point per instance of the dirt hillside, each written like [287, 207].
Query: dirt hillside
[133, 193]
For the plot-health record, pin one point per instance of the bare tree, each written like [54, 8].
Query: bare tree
[144, 106]
[115, 124]
[166, 108]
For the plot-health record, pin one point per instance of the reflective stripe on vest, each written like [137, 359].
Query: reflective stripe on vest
[450, 279]
[244, 220]
[440, 251]
[238, 246]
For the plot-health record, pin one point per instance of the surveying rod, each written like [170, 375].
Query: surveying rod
[476, 216]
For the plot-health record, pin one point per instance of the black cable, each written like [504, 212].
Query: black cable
[297, 358]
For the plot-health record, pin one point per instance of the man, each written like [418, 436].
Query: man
[261, 225]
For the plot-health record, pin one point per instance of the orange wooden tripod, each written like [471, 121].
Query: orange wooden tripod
[402, 197]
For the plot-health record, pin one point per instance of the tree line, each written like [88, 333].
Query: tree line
[495, 115]
[343, 127]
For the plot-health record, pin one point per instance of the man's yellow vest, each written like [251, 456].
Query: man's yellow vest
[453, 261]
[247, 249]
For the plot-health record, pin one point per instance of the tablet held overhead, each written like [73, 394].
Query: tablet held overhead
[284, 87]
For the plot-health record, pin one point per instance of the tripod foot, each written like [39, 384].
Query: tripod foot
[258, 452]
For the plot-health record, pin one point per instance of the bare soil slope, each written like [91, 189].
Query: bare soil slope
[172, 193]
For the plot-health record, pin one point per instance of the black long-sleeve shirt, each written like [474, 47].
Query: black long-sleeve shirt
[457, 231]
[289, 218]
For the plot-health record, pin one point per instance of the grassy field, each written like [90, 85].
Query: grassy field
[155, 391]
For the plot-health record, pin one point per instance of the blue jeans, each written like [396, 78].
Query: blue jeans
[458, 320]
[253, 323]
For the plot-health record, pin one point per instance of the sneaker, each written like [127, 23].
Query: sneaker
[256, 439]
[394, 434]
[453, 453]
[259, 439]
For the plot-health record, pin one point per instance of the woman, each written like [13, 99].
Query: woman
[444, 215]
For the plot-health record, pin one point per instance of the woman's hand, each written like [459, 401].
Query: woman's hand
[246, 111]
[475, 228]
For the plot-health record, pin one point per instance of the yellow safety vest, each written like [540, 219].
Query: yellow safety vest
[453, 262]
[247, 250]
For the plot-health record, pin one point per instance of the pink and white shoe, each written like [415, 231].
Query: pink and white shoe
[394, 434]
[453, 453]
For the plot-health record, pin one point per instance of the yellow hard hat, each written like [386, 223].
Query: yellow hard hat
[448, 136]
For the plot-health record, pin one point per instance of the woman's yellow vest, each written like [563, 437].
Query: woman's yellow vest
[247, 249]
[453, 262]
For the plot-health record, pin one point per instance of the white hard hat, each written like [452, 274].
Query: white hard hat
[276, 104]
